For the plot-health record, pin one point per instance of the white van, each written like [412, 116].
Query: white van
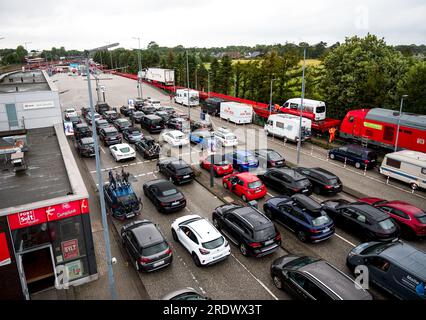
[153, 102]
[236, 112]
[287, 126]
[318, 108]
[407, 166]
[187, 97]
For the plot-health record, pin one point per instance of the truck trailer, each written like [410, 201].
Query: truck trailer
[158, 75]
[236, 112]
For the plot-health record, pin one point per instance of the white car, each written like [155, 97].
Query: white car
[153, 102]
[70, 112]
[175, 138]
[202, 240]
[122, 151]
[225, 137]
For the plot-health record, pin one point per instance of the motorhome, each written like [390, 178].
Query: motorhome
[317, 108]
[236, 112]
[287, 126]
[407, 166]
[187, 97]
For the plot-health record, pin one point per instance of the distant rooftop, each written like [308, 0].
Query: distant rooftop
[23, 81]
[46, 176]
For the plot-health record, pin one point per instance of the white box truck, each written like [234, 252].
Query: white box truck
[187, 97]
[236, 112]
[287, 126]
[164, 76]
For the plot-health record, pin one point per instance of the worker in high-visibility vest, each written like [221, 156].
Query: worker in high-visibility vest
[332, 132]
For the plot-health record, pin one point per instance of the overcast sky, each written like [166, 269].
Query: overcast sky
[87, 24]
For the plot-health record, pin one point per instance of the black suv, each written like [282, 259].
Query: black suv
[101, 107]
[110, 115]
[137, 116]
[82, 130]
[85, 147]
[178, 124]
[109, 136]
[309, 278]
[177, 170]
[368, 222]
[163, 115]
[146, 245]
[147, 109]
[152, 123]
[272, 158]
[248, 228]
[148, 148]
[164, 195]
[212, 106]
[126, 110]
[122, 124]
[323, 181]
[302, 215]
[355, 155]
[288, 181]
[101, 124]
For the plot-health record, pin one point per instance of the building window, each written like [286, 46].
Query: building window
[393, 163]
[30, 237]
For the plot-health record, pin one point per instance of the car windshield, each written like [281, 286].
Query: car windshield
[274, 156]
[300, 262]
[73, 118]
[179, 137]
[320, 109]
[377, 248]
[111, 134]
[219, 161]
[169, 192]
[249, 159]
[185, 170]
[264, 234]
[125, 149]
[386, 224]
[301, 182]
[88, 144]
[127, 199]
[124, 123]
[149, 251]
[332, 181]
[230, 137]
[254, 185]
[321, 220]
[214, 243]
[421, 218]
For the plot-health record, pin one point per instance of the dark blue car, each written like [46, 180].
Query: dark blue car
[355, 155]
[242, 160]
[302, 215]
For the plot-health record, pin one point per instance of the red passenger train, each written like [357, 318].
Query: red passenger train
[378, 127]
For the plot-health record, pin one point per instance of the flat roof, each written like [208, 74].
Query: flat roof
[46, 176]
[24, 81]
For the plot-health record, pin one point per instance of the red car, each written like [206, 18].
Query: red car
[411, 219]
[221, 167]
[245, 185]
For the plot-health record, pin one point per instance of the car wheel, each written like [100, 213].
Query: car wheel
[414, 186]
[244, 198]
[174, 235]
[225, 185]
[301, 236]
[243, 249]
[216, 224]
[357, 165]
[332, 156]
[277, 282]
[196, 260]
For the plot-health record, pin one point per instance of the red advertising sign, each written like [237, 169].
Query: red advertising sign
[4, 251]
[63, 210]
[84, 206]
[70, 249]
[26, 218]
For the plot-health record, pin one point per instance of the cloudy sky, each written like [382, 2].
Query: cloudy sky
[86, 24]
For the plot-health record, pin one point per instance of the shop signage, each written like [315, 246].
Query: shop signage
[4, 250]
[70, 249]
[74, 270]
[38, 105]
[63, 210]
[26, 218]
[84, 206]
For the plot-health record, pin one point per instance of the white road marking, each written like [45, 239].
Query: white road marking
[347, 241]
[259, 281]
[102, 149]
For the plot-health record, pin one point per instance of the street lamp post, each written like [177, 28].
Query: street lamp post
[270, 97]
[187, 83]
[299, 140]
[208, 84]
[140, 94]
[399, 121]
[99, 175]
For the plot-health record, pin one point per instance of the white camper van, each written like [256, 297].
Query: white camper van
[287, 126]
[407, 166]
[236, 112]
[314, 106]
[189, 98]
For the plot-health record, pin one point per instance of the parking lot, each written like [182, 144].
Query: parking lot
[238, 277]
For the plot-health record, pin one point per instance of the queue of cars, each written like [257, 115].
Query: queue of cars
[253, 231]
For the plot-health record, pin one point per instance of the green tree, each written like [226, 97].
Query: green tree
[361, 71]
[225, 75]
[21, 53]
[414, 85]
[214, 75]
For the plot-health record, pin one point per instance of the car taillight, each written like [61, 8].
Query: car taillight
[315, 231]
[164, 203]
[203, 251]
[367, 161]
[272, 163]
[328, 187]
[255, 244]
[296, 189]
[169, 251]
[144, 260]
[278, 237]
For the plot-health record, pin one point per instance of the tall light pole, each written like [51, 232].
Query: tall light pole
[140, 94]
[26, 48]
[270, 97]
[187, 83]
[299, 140]
[208, 83]
[111, 280]
[235, 87]
[399, 122]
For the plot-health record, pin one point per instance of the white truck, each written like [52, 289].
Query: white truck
[164, 76]
[187, 97]
[287, 126]
[236, 112]
[317, 108]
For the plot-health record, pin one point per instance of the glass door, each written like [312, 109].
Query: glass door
[22, 276]
[12, 117]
